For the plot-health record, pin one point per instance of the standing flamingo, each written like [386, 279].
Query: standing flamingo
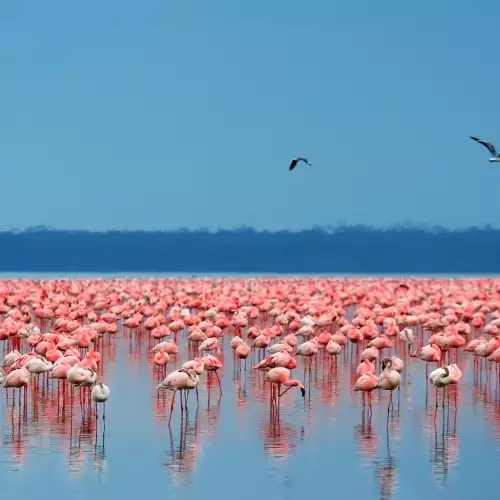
[366, 383]
[180, 380]
[212, 364]
[100, 394]
[278, 376]
[389, 379]
[441, 378]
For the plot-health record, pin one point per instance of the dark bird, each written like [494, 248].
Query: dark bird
[495, 156]
[296, 160]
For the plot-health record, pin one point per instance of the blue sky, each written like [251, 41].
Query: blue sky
[160, 114]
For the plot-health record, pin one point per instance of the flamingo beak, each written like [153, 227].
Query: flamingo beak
[303, 391]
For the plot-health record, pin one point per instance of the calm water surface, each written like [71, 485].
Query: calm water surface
[233, 446]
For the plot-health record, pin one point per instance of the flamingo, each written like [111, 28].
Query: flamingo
[281, 359]
[179, 380]
[407, 336]
[281, 346]
[441, 377]
[197, 365]
[389, 379]
[278, 376]
[100, 394]
[212, 364]
[366, 383]
[242, 351]
[16, 379]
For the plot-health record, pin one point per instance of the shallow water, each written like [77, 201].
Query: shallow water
[233, 445]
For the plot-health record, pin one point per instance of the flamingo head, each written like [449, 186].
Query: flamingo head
[302, 390]
[385, 362]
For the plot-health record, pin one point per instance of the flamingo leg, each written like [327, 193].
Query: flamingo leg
[218, 380]
[172, 407]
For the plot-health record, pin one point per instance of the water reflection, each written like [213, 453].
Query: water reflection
[386, 464]
[181, 457]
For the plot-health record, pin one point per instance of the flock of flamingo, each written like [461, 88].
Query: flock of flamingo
[53, 332]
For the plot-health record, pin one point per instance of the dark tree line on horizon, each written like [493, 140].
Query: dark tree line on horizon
[347, 249]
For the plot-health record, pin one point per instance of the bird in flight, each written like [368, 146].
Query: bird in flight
[491, 149]
[296, 160]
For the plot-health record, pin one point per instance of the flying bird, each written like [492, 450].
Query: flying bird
[491, 149]
[296, 160]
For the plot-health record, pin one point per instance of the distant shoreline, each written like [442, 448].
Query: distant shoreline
[342, 251]
[151, 276]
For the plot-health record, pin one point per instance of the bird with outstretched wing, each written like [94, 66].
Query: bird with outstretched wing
[296, 160]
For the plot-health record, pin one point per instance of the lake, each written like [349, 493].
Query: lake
[234, 445]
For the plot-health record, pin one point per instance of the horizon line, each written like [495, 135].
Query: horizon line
[328, 229]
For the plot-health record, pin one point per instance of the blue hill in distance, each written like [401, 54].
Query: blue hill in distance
[344, 249]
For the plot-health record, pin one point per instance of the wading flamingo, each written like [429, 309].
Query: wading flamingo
[100, 394]
[278, 376]
[180, 380]
[389, 379]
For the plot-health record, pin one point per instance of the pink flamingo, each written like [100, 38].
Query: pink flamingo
[389, 380]
[364, 368]
[180, 380]
[212, 364]
[242, 351]
[210, 344]
[278, 376]
[197, 365]
[430, 353]
[16, 379]
[281, 359]
[366, 384]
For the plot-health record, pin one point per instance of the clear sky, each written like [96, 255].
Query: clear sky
[169, 113]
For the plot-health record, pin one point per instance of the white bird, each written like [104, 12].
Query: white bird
[76, 375]
[495, 156]
[11, 358]
[100, 394]
[307, 321]
[273, 349]
[90, 378]
[440, 377]
[296, 160]
[38, 365]
[407, 336]
[34, 330]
